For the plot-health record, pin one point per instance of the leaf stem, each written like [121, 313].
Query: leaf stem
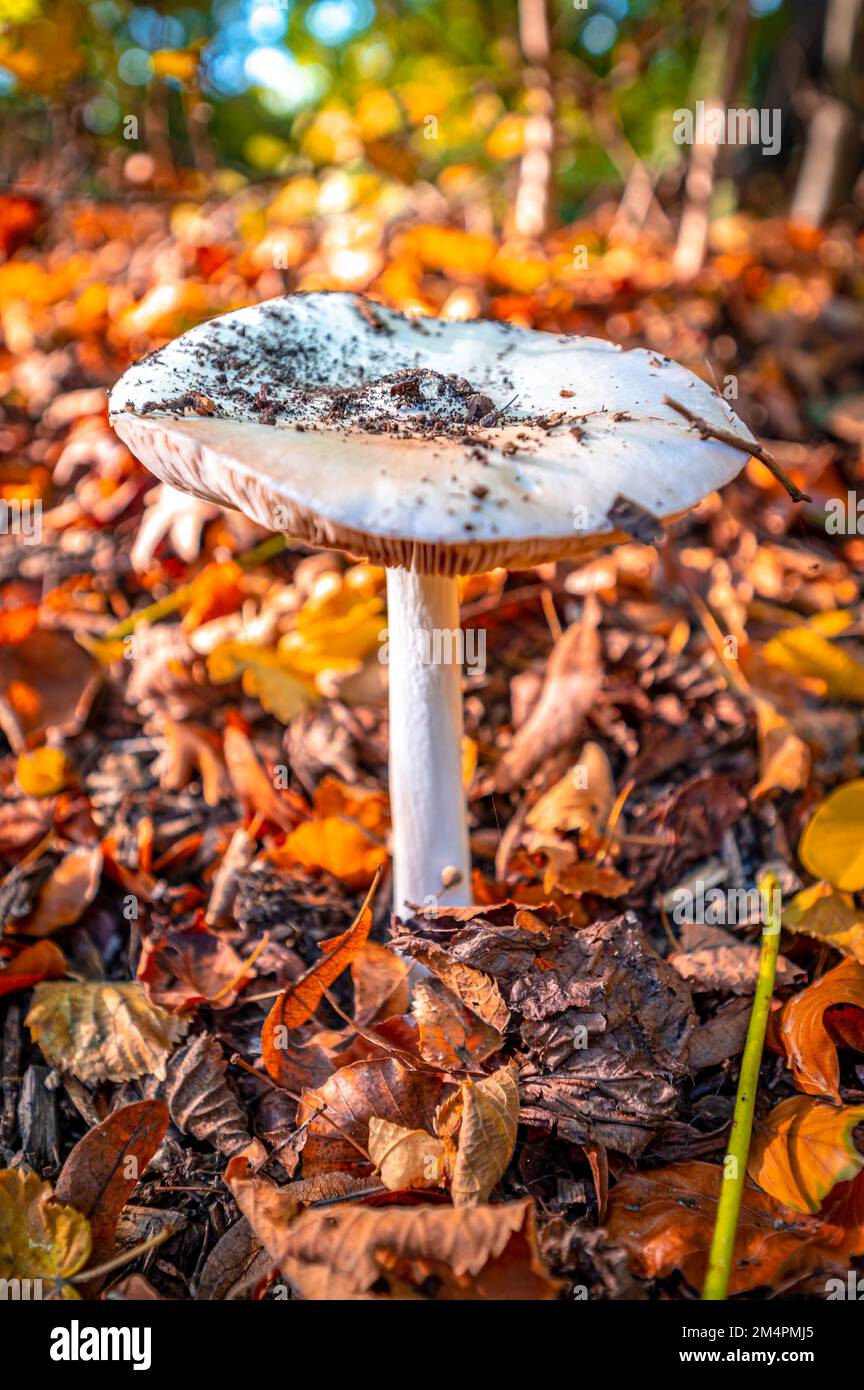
[735, 1163]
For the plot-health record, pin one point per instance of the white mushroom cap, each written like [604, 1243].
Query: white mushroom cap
[449, 447]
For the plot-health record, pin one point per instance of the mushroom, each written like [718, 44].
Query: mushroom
[437, 449]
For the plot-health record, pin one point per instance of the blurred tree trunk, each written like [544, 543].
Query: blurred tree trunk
[830, 163]
[532, 208]
[705, 156]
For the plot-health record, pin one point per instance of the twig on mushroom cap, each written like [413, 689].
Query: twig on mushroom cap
[734, 441]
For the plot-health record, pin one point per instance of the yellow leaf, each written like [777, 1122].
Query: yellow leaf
[405, 1157]
[338, 626]
[829, 916]
[181, 64]
[103, 1032]
[263, 676]
[832, 846]
[487, 1134]
[803, 1149]
[804, 652]
[42, 772]
[40, 1238]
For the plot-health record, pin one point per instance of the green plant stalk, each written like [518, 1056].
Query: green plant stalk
[735, 1164]
[164, 607]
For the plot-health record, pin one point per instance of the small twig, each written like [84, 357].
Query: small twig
[125, 1258]
[735, 1163]
[734, 441]
[247, 965]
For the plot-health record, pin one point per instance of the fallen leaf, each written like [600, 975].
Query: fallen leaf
[450, 1036]
[574, 674]
[190, 748]
[187, 965]
[582, 800]
[66, 893]
[338, 1136]
[406, 1252]
[103, 1169]
[102, 1032]
[380, 980]
[405, 1158]
[477, 991]
[300, 1000]
[664, 1220]
[601, 1023]
[720, 1038]
[47, 685]
[811, 1050]
[832, 846]
[821, 912]
[714, 959]
[803, 1149]
[254, 787]
[40, 1238]
[784, 758]
[337, 846]
[200, 1100]
[487, 1134]
[42, 961]
[42, 772]
[216, 590]
[803, 651]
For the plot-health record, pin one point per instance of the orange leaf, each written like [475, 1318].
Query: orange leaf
[664, 1219]
[338, 846]
[66, 893]
[300, 1000]
[253, 786]
[803, 1149]
[41, 961]
[809, 1046]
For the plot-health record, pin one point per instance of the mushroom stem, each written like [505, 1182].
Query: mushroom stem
[427, 797]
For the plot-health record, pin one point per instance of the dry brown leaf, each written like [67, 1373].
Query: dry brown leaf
[338, 1136]
[403, 1252]
[487, 1134]
[574, 674]
[102, 1171]
[664, 1219]
[478, 992]
[784, 758]
[254, 787]
[405, 1158]
[66, 893]
[450, 1036]
[191, 748]
[200, 1100]
[714, 959]
[582, 800]
[103, 1032]
[40, 1238]
[380, 979]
